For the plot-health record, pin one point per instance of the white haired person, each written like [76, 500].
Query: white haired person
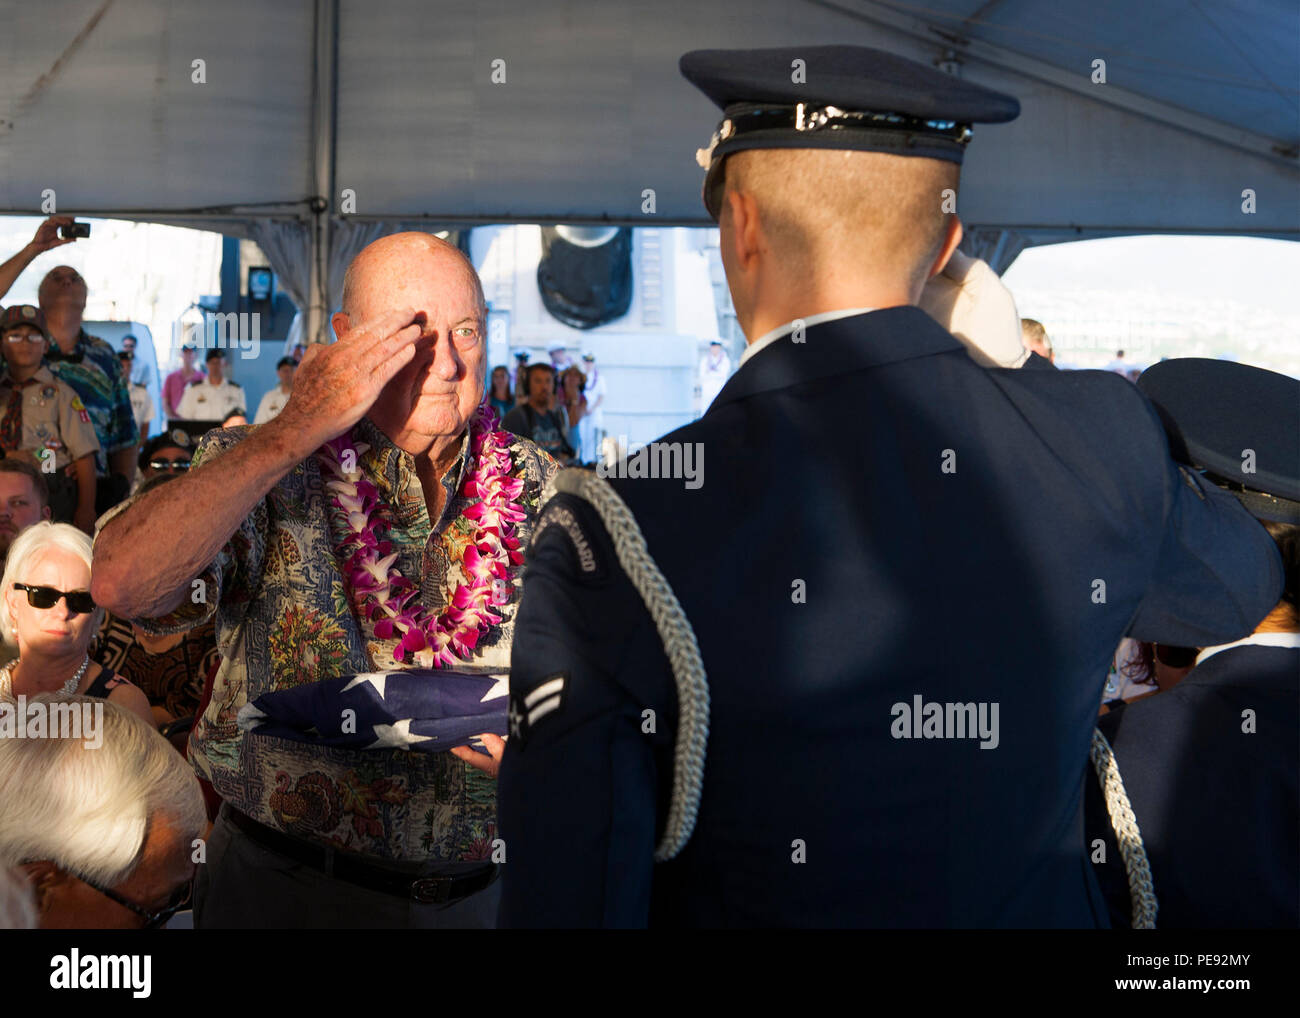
[48, 614]
[103, 829]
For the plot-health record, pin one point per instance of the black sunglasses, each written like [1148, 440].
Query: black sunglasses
[152, 920]
[79, 601]
[169, 464]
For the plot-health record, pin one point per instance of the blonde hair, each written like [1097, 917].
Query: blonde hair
[30, 545]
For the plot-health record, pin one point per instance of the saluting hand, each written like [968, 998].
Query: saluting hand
[337, 383]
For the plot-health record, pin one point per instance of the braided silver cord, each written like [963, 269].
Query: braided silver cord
[1141, 891]
[680, 645]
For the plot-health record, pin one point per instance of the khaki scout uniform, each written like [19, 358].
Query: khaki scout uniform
[204, 401]
[54, 418]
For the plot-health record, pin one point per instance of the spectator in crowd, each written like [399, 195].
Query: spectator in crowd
[129, 344]
[591, 428]
[1035, 338]
[539, 420]
[170, 670]
[572, 384]
[519, 377]
[1118, 365]
[715, 369]
[24, 500]
[216, 397]
[46, 239]
[167, 454]
[499, 395]
[48, 614]
[275, 400]
[141, 403]
[398, 397]
[104, 833]
[1131, 674]
[1211, 768]
[44, 418]
[234, 420]
[91, 367]
[560, 360]
[174, 387]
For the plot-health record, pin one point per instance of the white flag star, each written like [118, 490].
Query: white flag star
[396, 736]
[376, 679]
[501, 687]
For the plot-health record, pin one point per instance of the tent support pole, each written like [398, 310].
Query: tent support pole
[324, 111]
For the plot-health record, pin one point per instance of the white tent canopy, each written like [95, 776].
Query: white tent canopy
[318, 125]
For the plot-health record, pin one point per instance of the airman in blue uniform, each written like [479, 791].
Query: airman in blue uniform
[831, 655]
[1211, 767]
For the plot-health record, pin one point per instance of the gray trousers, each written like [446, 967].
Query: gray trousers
[245, 886]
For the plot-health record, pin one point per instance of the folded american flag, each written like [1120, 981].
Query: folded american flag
[422, 709]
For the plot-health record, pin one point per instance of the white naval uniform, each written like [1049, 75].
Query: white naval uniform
[204, 401]
[272, 403]
[141, 406]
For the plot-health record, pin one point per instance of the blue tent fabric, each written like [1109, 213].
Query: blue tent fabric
[425, 710]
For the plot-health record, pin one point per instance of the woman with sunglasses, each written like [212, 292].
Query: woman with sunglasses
[48, 614]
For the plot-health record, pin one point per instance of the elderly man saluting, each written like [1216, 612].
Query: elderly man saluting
[315, 835]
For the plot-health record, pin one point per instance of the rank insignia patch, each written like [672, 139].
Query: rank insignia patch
[527, 709]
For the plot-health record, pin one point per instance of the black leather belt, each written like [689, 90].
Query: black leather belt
[427, 889]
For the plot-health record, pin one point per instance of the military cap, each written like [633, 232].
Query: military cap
[836, 97]
[1238, 424]
[24, 314]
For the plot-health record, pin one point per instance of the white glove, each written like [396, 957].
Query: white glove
[969, 300]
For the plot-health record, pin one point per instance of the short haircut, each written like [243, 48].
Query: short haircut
[824, 208]
[1031, 329]
[531, 370]
[214, 354]
[30, 546]
[42, 489]
[86, 809]
[285, 362]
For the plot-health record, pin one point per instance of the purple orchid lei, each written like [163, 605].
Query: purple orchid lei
[381, 594]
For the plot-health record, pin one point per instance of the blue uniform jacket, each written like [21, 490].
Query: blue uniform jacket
[884, 529]
[1216, 794]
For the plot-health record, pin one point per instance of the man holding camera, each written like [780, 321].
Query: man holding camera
[87, 363]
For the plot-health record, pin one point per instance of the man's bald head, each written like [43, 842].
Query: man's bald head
[399, 254]
[430, 401]
[831, 210]
[62, 285]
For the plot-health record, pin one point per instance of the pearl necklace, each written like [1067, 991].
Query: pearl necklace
[67, 689]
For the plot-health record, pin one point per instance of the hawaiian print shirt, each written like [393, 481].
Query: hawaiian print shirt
[95, 374]
[283, 619]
